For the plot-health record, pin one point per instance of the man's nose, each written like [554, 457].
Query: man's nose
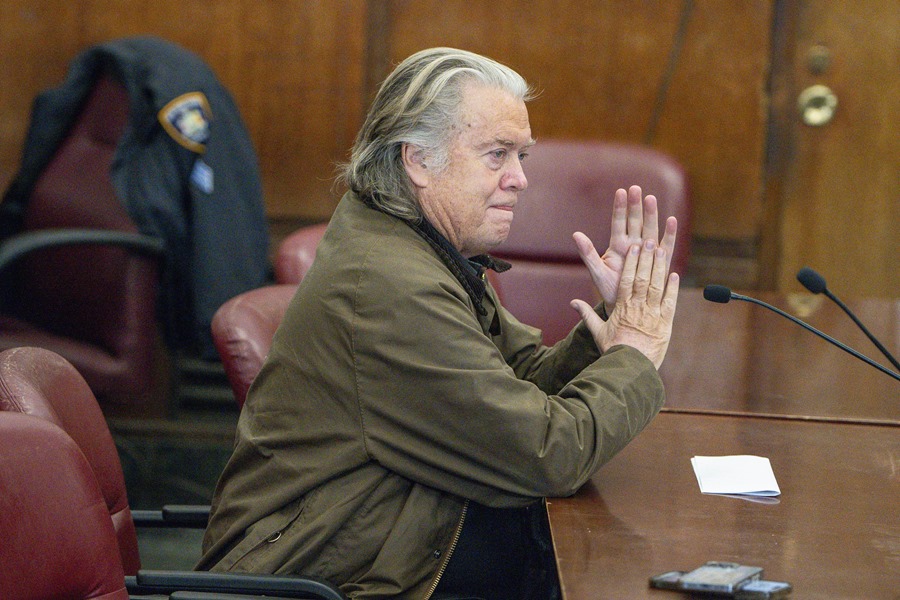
[514, 178]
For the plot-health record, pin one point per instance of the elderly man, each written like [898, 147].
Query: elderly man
[405, 427]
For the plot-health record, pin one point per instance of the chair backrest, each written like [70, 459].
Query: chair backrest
[94, 304]
[571, 185]
[43, 384]
[58, 541]
[243, 329]
[296, 252]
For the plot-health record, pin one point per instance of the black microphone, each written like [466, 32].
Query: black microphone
[722, 295]
[815, 283]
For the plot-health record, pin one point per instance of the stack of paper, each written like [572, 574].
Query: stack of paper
[741, 475]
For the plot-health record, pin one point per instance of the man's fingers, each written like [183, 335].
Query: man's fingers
[651, 219]
[619, 227]
[589, 256]
[626, 282]
[670, 299]
[657, 277]
[635, 213]
[644, 270]
[586, 248]
[590, 317]
[668, 240]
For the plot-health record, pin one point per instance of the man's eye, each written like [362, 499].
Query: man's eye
[499, 154]
[523, 156]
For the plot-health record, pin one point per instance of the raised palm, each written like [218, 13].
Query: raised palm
[634, 220]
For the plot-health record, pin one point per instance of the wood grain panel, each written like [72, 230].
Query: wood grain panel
[571, 52]
[37, 40]
[840, 202]
[295, 69]
[714, 119]
[627, 71]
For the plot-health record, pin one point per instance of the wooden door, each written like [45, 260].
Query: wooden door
[834, 188]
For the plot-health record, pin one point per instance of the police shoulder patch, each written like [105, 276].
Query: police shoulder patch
[186, 119]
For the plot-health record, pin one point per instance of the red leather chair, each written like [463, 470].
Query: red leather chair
[296, 252]
[41, 383]
[571, 185]
[43, 386]
[58, 540]
[243, 329]
[80, 279]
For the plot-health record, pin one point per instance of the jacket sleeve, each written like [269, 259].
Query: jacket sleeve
[440, 404]
[549, 368]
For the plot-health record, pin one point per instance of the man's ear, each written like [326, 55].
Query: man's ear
[413, 158]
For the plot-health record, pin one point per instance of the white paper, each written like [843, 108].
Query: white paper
[738, 475]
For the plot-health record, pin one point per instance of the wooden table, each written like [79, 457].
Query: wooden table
[742, 358]
[834, 533]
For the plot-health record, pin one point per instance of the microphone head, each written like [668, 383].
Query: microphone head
[811, 280]
[717, 293]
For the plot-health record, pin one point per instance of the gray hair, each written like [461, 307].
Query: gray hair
[417, 104]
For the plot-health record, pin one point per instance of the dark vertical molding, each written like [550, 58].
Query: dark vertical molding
[779, 136]
[662, 92]
[378, 46]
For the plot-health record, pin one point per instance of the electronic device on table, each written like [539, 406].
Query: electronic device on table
[723, 579]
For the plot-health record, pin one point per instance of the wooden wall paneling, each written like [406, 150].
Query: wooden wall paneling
[780, 139]
[295, 69]
[595, 64]
[377, 51]
[688, 76]
[304, 99]
[37, 40]
[597, 67]
[839, 209]
[714, 119]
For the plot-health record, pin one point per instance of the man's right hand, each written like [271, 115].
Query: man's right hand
[645, 305]
[634, 219]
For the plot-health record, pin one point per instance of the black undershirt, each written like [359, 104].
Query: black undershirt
[492, 556]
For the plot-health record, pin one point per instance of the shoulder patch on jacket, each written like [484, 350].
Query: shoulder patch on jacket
[186, 119]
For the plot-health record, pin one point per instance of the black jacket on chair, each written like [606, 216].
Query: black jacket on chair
[185, 170]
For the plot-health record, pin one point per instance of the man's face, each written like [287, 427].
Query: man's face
[471, 201]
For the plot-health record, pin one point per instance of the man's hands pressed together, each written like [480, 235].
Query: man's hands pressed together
[633, 279]
[633, 221]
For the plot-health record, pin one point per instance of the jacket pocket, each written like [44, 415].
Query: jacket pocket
[250, 554]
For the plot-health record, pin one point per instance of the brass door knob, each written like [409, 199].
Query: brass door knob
[817, 104]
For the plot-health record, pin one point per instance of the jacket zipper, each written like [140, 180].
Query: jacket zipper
[456, 534]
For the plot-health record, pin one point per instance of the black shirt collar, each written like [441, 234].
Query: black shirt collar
[469, 272]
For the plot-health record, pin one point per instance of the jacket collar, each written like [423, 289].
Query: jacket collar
[469, 272]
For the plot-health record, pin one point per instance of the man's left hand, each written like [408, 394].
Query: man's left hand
[635, 219]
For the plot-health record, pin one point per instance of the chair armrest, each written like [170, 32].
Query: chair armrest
[173, 515]
[182, 595]
[17, 246]
[168, 582]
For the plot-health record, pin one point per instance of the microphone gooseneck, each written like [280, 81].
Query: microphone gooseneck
[815, 283]
[721, 294]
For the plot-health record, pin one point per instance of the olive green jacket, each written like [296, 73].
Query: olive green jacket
[385, 403]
